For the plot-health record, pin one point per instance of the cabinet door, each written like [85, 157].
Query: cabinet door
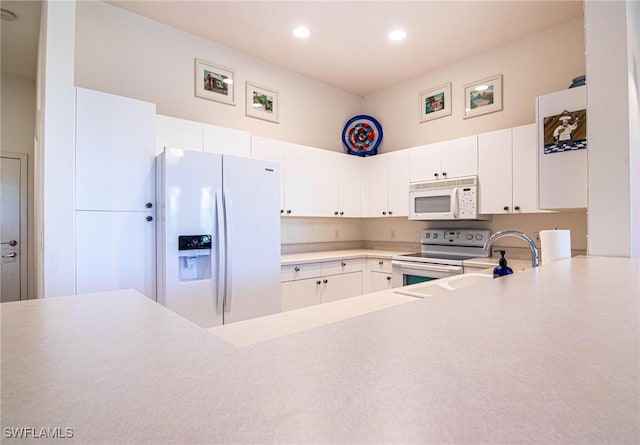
[311, 183]
[398, 183]
[376, 185]
[301, 293]
[115, 152]
[337, 287]
[379, 281]
[226, 141]
[525, 172]
[271, 150]
[459, 157]
[115, 250]
[425, 162]
[495, 172]
[172, 132]
[349, 185]
[562, 177]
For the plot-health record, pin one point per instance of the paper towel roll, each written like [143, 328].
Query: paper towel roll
[555, 245]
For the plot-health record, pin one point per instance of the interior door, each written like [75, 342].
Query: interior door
[13, 227]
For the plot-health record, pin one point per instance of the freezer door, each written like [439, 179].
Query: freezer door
[252, 203]
[187, 208]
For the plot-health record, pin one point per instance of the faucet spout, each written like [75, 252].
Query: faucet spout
[535, 256]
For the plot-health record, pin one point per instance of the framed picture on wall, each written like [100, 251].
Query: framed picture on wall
[435, 103]
[214, 82]
[262, 102]
[483, 96]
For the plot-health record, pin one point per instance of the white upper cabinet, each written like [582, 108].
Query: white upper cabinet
[191, 135]
[507, 171]
[495, 172]
[311, 183]
[271, 150]
[350, 170]
[115, 152]
[562, 177]
[388, 184]
[226, 141]
[172, 132]
[448, 159]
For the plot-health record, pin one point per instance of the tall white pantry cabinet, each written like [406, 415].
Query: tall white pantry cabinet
[115, 193]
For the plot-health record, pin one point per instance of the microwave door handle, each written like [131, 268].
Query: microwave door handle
[456, 204]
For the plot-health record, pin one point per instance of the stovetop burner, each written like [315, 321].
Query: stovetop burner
[449, 246]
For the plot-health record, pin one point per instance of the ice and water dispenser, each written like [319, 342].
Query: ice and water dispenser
[194, 257]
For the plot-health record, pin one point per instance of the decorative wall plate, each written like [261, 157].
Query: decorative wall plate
[362, 135]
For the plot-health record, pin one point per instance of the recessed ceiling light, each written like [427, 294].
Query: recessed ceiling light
[7, 15]
[397, 35]
[302, 32]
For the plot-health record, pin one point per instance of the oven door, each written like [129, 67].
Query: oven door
[433, 204]
[404, 273]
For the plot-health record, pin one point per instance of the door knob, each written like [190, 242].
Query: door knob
[149, 218]
[148, 205]
[10, 255]
[12, 243]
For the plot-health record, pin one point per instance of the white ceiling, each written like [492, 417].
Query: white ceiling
[348, 47]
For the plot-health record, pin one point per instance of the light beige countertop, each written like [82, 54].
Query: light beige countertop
[330, 255]
[547, 355]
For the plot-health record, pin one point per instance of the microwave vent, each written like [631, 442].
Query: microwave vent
[444, 183]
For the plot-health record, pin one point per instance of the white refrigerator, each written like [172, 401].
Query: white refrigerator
[218, 222]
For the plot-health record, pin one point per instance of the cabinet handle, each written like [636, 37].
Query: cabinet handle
[281, 211]
[436, 174]
[297, 269]
[149, 218]
[516, 208]
[341, 213]
[381, 262]
[384, 213]
[506, 208]
[388, 278]
[325, 281]
[148, 205]
[335, 213]
[288, 212]
[318, 282]
[344, 264]
[444, 173]
[390, 213]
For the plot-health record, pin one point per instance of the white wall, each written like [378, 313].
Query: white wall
[18, 126]
[122, 53]
[633, 50]
[55, 151]
[539, 64]
[609, 101]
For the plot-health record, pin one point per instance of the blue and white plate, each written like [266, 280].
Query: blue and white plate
[362, 135]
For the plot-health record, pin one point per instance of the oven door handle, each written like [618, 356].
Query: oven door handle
[433, 267]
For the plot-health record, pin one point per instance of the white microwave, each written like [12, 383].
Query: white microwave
[447, 199]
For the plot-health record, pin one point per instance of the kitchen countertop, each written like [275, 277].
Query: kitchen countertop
[547, 355]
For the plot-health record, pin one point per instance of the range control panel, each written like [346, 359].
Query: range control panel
[456, 237]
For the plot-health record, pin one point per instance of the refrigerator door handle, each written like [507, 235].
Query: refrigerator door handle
[228, 215]
[220, 251]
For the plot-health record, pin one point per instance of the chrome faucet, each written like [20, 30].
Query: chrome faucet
[535, 256]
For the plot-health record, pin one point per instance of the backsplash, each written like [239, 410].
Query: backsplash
[398, 233]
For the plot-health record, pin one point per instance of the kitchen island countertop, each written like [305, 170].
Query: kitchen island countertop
[548, 355]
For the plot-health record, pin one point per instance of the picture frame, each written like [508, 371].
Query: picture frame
[566, 131]
[214, 82]
[483, 97]
[262, 102]
[435, 103]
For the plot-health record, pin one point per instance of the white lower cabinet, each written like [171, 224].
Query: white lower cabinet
[378, 274]
[314, 283]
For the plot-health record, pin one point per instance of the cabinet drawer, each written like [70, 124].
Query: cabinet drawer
[379, 265]
[300, 271]
[342, 266]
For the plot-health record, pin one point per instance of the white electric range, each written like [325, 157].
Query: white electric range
[441, 255]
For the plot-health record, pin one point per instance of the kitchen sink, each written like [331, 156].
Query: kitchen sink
[443, 285]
